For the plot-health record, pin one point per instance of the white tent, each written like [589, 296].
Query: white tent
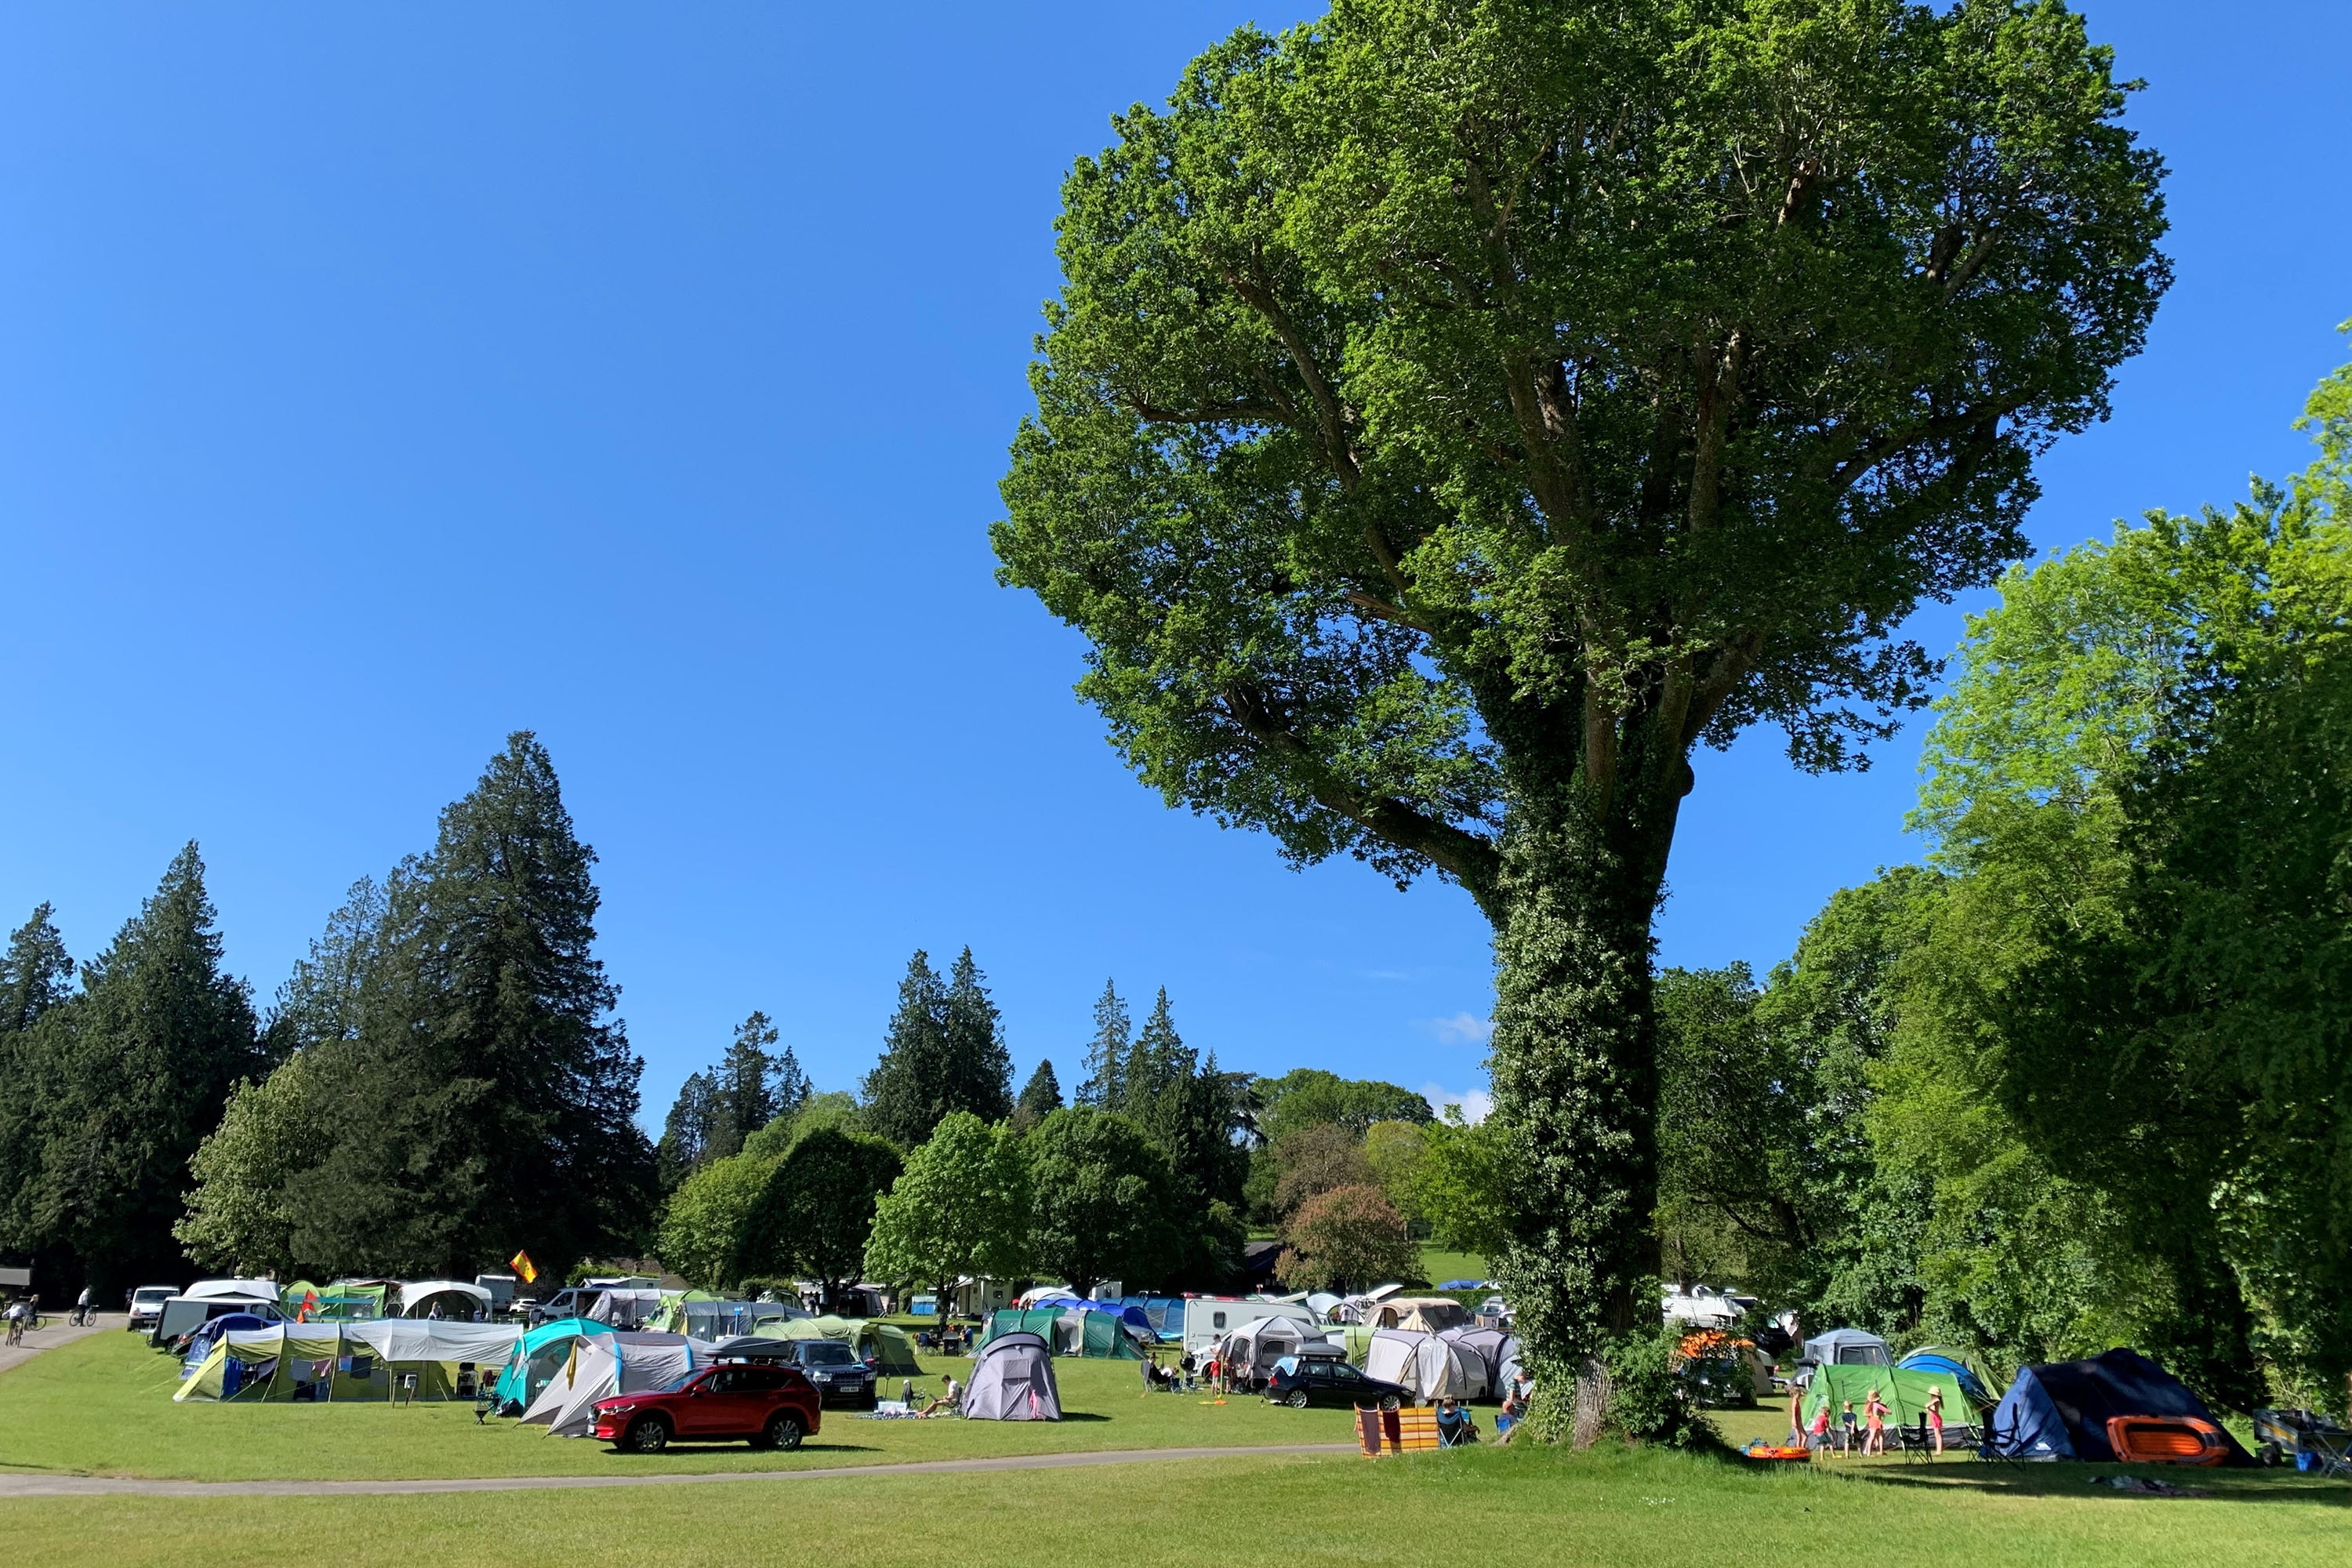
[409, 1297]
[625, 1308]
[422, 1339]
[1045, 1295]
[241, 1290]
[1430, 1367]
[1357, 1308]
[602, 1367]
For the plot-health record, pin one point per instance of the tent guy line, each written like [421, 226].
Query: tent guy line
[33, 1486]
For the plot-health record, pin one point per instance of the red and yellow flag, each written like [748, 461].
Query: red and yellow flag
[521, 1264]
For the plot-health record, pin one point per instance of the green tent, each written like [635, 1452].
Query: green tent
[1038, 1321]
[890, 1348]
[541, 1354]
[1102, 1336]
[1904, 1391]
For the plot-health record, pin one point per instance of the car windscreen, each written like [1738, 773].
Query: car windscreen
[825, 1354]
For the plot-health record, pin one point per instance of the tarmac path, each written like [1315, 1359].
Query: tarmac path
[51, 1334]
[21, 1485]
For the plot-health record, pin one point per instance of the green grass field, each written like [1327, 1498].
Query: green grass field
[102, 1405]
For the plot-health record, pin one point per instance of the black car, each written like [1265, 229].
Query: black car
[1301, 1381]
[839, 1376]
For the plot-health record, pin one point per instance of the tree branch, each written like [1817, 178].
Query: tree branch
[1469, 859]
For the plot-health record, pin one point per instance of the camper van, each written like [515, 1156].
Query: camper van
[209, 1299]
[1208, 1319]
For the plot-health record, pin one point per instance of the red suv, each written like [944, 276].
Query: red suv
[770, 1406]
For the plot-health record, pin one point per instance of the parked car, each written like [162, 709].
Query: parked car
[836, 1372]
[146, 1304]
[768, 1407]
[1301, 1381]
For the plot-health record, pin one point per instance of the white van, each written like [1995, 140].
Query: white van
[1208, 1319]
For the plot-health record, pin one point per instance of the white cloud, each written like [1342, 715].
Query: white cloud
[1475, 1103]
[1463, 1029]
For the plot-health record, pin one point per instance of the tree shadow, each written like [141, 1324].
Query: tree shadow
[2230, 1485]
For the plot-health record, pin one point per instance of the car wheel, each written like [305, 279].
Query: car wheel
[646, 1435]
[783, 1431]
[1298, 1400]
[1390, 1402]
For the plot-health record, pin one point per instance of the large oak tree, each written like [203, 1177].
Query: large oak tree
[1455, 411]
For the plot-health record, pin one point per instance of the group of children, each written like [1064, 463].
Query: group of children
[1875, 1411]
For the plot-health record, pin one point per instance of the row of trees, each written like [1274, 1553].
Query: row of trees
[2085, 1076]
[440, 1083]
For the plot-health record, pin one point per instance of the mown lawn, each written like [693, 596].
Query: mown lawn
[1483, 1506]
[103, 1406]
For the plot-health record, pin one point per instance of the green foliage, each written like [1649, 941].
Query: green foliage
[238, 1221]
[1398, 1155]
[1101, 1190]
[1310, 1097]
[816, 1211]
[1104, 1085]
[1650, 1400]
[488, 1099]
[1454, 413]
[709, 1223]
[1346, 1239]
[123, 1081]
[1464, 1184]
[1314, 1160]
[717, 1111]
[1040, 1096]
[961, 1206]
[833, 1109]
[945, 1051]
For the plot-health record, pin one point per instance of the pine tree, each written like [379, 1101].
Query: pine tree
[141, 1065]
[321, 1000]
[945, 1051]
[492, 1098]
[35, 979]
[1104, 1085]
[685, 1135]
[897, 1097]
[979, 1077]
[1040, 1097]
[36, 975]
[746, 1099]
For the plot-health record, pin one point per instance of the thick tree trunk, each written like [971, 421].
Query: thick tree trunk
[1574, 1060]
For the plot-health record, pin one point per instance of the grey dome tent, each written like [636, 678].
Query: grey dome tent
[1013, 1380]
[1848, 1347]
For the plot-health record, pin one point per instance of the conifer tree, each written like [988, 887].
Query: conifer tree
[1104, 1085]
[685, 1146]
[492, 1097]
[36, 978]
[140, 1066]
[1040, 1097]
[945, 1051]
[898, 1091]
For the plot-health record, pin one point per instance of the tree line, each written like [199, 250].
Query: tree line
[2084, 1078]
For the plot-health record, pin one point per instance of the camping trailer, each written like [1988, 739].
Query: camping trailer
[1208, 1319]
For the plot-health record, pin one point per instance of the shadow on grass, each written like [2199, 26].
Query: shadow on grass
[688, 1449]
[2076, 1480]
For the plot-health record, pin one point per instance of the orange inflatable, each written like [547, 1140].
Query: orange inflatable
[2165, 1440]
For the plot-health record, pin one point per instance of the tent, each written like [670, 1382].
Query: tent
[1430, 1367]
[602, 1365]
[1255, 1346]
[1495, 1349]
[1422, 1314]
[700, 1315]
[1013, 1380]
[1848, 1347]
[371, 1360]
[537, 1356]
[1904, 1389]
[1164, 1315]
[1047, 1295]
[1358, 1309]
[888, 1349]
[1038, 1320]
[1962, 1368]
[456, 1298]
[2059, 1411]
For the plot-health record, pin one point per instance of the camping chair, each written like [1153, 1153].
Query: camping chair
[1459, 1432]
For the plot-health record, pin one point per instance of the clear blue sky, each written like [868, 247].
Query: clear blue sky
[642, 375]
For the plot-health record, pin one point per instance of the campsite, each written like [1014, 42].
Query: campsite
[1122, 786]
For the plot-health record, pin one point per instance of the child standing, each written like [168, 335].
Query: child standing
[1845, 1424]
[1875, 1411]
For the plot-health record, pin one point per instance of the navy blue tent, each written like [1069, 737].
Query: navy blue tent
[2059, 1411]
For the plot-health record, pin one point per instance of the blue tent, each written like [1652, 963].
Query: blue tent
[1950, 1364]
[2059, 1411]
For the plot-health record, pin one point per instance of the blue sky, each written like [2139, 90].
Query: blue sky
[372, 386]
